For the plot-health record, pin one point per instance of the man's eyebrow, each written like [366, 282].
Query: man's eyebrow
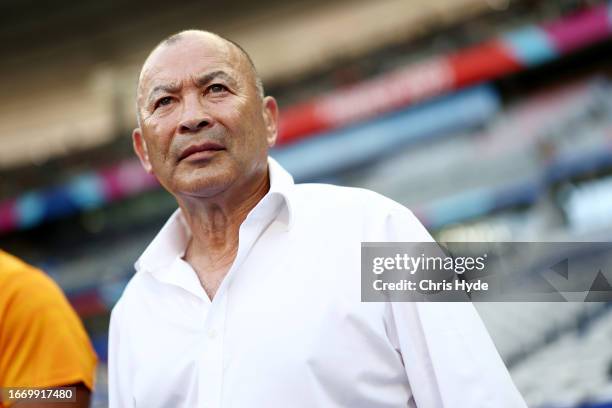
[207, 78]
[167, 88]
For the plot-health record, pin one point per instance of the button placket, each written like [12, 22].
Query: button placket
[211, 362]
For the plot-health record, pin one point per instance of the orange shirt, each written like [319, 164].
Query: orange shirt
[42, 340]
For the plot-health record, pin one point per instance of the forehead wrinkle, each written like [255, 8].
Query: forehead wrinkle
[151, 65]
[204, 79]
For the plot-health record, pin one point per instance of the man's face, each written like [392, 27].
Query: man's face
[204, 127]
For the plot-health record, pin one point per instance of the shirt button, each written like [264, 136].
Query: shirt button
[212, 333]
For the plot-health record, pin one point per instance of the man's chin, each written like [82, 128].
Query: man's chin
[204, 184]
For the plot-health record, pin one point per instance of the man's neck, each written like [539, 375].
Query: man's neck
[214, 225]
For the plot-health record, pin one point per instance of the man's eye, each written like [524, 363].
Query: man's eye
[217, 88]
[163, 101]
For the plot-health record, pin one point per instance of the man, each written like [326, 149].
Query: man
[250, 294]
[42, 341]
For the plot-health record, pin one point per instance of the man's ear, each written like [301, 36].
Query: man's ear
[140, 148]
[270, 111]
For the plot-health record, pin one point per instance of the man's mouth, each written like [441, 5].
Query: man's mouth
[201, 150]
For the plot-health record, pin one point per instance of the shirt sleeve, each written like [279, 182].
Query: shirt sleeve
[449, 357]
[43, 342]
[119, 375]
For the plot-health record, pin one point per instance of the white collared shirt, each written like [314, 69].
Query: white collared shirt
[287, 327]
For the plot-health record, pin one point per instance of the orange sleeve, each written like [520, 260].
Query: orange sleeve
[42, 340]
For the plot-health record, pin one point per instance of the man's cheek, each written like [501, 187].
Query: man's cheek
[158, 158]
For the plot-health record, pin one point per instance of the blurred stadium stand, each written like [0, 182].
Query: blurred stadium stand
[491, 120]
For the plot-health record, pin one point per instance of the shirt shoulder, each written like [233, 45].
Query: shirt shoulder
[38, 327]
[26, 289]
[370, 215]
[340, 198]
[131, 291]
[137, 288]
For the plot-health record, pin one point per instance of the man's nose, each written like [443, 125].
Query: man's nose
[194, 117]
[194, 124]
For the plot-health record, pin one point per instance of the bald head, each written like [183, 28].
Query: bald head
[175, 38]
[231, 48]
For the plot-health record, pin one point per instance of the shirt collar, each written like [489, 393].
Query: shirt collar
[281, 184]
[172, 239]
